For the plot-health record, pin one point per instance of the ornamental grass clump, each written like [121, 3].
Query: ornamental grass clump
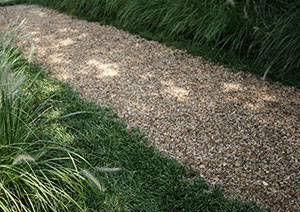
[262, 36]
[35, 175]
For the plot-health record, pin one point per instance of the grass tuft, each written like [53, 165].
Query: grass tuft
[23, 158]
[35, 174]
[90, 177]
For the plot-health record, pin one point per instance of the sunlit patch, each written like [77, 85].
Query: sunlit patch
[267, 97]
[68, 30]
[63, 30]
[66, 42]
[60, 133]
[167, 83]
[36, 40]
[107, 73]
[34, 32]
[147, 76]
[49, 88]
[64, 76]
[54, 114]
[41, 14]
[104, 70]
[180, 93]
[252, 106]
[41, 51]
[82, 35]
[231, 87]
[57, 58]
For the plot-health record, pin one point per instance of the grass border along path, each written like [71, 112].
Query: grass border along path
[148, 180]
[252, 35]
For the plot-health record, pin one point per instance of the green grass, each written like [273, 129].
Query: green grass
[60, 153]
[36, 173]
[257, 36]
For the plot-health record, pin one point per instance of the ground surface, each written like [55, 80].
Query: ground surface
[240, 131]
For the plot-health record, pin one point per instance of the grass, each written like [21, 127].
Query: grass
[36, 174]
[257, 36]
[62, 153]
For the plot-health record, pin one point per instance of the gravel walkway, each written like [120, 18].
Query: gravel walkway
[241, 132]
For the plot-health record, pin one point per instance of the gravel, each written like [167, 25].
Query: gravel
[240, 131]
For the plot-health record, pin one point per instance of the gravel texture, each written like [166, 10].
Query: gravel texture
[240, 131]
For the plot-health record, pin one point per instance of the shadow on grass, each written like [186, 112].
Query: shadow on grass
[148, 180]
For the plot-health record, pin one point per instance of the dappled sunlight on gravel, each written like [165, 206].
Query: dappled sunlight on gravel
[240, 131]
